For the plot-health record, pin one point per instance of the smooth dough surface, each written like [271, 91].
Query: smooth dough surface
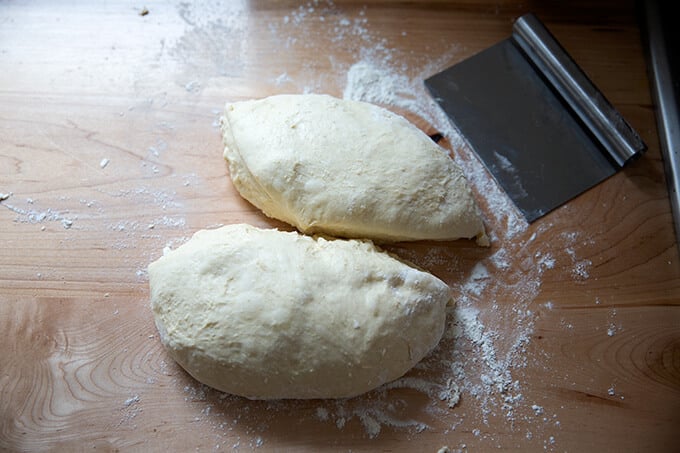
[346, 168]
[267, 314]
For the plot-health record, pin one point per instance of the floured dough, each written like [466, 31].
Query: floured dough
[346, 168]
[268, 314]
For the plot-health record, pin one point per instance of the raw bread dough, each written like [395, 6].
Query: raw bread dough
[268, 314]
[346, 168]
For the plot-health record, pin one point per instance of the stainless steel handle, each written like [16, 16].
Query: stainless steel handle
[603, 120]
[667, 113]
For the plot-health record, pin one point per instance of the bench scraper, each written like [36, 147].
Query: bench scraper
[539, 125]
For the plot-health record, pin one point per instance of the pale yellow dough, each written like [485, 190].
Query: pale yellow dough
[268, 314]
[346, 168]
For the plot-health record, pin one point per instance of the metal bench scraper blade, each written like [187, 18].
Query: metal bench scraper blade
[537, 122]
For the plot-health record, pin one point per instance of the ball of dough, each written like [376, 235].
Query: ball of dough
[346, 168]
[267, 314]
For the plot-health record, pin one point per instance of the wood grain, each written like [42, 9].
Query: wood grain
[567, 331]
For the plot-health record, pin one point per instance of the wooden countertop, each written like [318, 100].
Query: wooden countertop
[566, 335]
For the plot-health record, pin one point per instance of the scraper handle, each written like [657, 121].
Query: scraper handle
[603, 120]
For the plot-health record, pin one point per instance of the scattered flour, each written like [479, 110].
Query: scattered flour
[132, 400]
[581, 269]
[322, 413]
[30, 215]
[193, 87]
[478, 280]
[131, 409]
[282, 79]
[613, 326]
[545, 260]
[157, 148]
[476, 372]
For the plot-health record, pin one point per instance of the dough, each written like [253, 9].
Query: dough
[346, 168]
[268, 314]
